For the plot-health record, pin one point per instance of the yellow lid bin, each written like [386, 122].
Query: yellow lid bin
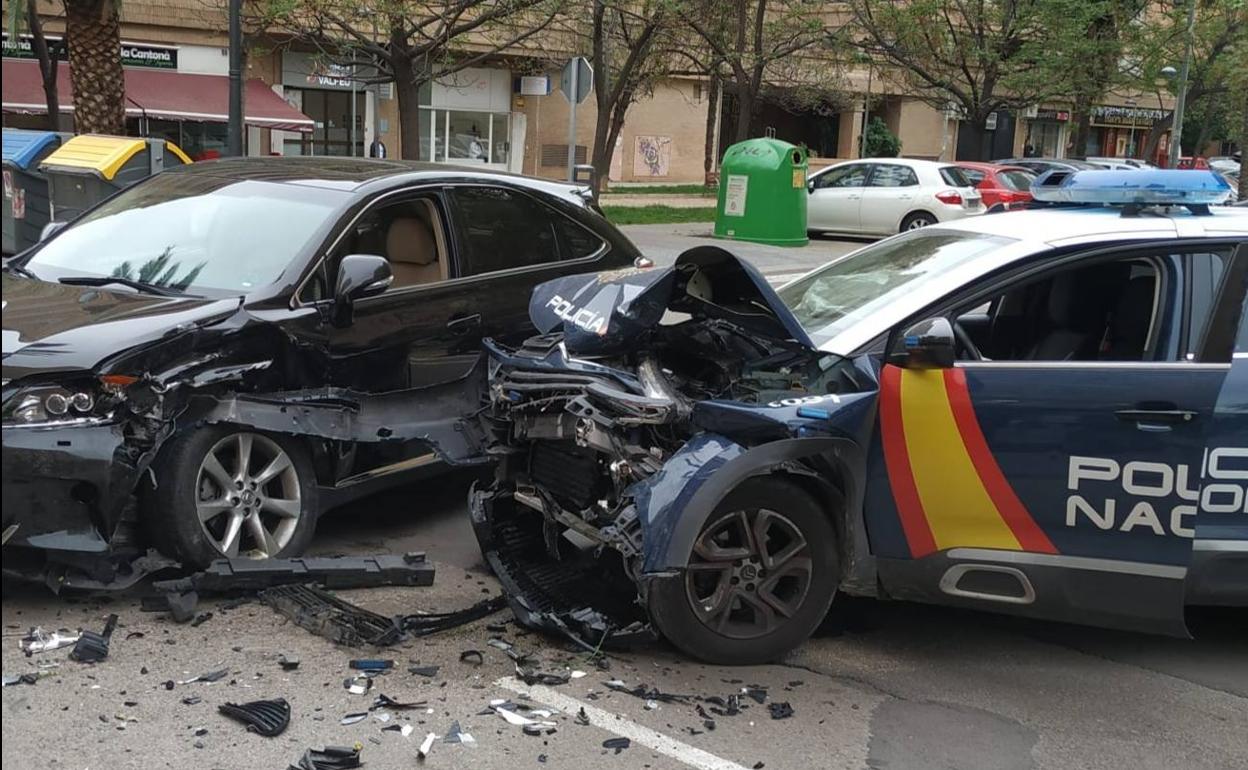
[91, 167]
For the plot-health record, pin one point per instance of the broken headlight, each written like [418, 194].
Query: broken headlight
[54, 404]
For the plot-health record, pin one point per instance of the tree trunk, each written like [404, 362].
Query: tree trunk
[746, 105]
[709, 174]
[604, 147]
[47, 65]
[1154, 139]
[1243, 149]
[93, 34]
[407, 92]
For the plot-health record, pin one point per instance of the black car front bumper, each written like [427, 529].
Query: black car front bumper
[65, 489]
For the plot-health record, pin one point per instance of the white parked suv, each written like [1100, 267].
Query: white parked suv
[882, 196]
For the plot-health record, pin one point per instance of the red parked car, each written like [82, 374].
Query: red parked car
[1002, 187]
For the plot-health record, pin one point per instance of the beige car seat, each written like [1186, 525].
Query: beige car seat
[414, 251]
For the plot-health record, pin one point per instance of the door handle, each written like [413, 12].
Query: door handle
[1155, 417]
[464, 323]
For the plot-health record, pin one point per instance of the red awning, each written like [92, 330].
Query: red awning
[159, 94]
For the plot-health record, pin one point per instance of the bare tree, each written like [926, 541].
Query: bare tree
[756, 42]
[411, 44]
[21, 16]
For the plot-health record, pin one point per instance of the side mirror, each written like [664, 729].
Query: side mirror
[810, 185]
[51, 229]
[359, 276]
[928, 344]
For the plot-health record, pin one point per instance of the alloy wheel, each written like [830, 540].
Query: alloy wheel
[749, 573]
[247, 496]
[918, 223]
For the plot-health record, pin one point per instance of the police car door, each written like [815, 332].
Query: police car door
[1056, 471]
[1219, 571]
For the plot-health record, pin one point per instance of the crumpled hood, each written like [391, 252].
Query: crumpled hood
[52, 327]
[603, 312]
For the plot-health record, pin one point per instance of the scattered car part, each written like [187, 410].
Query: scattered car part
[332, 572]
[210, 676]
[472, 657]
[456, 734]
[329, 758]
[647, 694]
[92, 647]
[324, 614]
[288, 662]
[353, 717]
[383, 701]
[370, 664]
[780, 710]
[201, 619]
[27, 678]
[429, 623]
[192, 700]
[426, 671]
[425, 746]
[263, 717]
[358, 685]
[38, 640]
[619, 744]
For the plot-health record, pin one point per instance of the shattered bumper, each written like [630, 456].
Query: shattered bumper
[565, 598]
[65, 487]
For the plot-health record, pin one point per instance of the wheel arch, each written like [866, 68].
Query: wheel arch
[913, 213]
[830, 469]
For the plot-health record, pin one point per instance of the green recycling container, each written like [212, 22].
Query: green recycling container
[762, 193]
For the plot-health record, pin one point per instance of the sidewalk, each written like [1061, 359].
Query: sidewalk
[675, 201]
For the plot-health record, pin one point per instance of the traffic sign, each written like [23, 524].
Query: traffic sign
[578, 78]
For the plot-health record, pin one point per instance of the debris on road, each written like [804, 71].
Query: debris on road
[192, 700]
[423, 624]
[425, 745]
[428, 672]
[647, 694]
[211, 676]
[287, 662]
[324, 614]
[330, 758]
[456, 735]
[371, 665]
[472, 657]
[780, 710]
[92, 647]
[38, 640]
[384, 701]
[263, 717]
[352, 718]
[358, 685]
[618, 744]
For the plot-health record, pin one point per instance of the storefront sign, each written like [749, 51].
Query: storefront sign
[162, 57]
[305, 70]
[1113, 115]
[1059, 115]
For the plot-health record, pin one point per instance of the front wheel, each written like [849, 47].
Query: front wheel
[231, 492]
[761, 577]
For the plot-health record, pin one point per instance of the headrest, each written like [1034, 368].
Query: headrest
[409, 240]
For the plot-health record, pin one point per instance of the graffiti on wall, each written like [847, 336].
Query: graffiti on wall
[653, 156]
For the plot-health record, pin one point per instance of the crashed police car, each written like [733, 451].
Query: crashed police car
[208, 360]
[1042, 413]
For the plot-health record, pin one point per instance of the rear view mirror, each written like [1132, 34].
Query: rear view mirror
[928, 344]
[359, 276]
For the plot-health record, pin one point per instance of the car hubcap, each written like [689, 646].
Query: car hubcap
[919, 223]
[749, 573]
[247, 496]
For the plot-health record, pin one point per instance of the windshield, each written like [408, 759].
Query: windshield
[1015, 180]
[852, 289]
[191, 233]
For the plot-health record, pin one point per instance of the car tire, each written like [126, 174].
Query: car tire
[917, 220]
[278, 493]
[743, 627]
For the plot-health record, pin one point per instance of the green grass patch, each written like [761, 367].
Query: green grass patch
[675, 189]
[657, 215]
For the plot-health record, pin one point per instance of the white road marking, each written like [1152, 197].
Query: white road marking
[651, 739]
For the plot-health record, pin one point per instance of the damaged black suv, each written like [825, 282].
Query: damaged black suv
[208, 360]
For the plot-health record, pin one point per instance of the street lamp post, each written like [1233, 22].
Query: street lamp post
[1131, 136]
[1176, 130]
[234, 131]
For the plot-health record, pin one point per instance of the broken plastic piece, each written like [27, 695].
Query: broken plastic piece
[429, 623]
[456, 735]
[350, 719]
[244, 574]
[211, 676]
[200, 619]
[619, 744]
[384, 701]
[191, 700]
[287, 662]
[371, 664]
[426, 671]
[358, 685]
[329, 758]
[326, 615]
[263, 717]
[648, 694]
[758, 694]
[472, 657]
[38, 640]
[780, 710]
[581, 717]
[425, 745]
[92, 647]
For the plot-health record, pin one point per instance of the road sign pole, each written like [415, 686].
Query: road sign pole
[572, 124]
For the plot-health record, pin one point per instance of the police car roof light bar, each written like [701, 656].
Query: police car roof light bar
[1193, 189]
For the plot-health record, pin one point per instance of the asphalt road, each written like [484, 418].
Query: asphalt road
[886, 686]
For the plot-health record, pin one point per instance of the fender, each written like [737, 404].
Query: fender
[676, 502]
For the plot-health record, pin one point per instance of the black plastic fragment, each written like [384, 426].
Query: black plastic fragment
[431, 623]
[758, 694]
[263, 717]
[383, 701]
[780, 710]
[329, 758]
[191, 700]
[472, 657]
[410, 569]
[92, 647]
[200, 619]
[619, 744]
[426, 671]
[324, 614]
[287, 662]
[645, 693]
[581, 717]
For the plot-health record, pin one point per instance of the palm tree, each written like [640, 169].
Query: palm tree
[93, 35]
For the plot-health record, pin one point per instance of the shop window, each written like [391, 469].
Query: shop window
[331, 113]
[465, 136]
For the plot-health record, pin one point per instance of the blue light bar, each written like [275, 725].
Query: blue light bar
[1149, 187]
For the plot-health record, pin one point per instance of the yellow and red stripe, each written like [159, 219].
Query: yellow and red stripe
[947, 485]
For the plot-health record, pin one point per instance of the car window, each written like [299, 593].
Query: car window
[576, 241]
[1116, 310]
[853, 175]
[974, 176]
[893, 175]
[196, 233]
[1205, 278]
[954, 176]
[1015, 180]
[503, 229]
